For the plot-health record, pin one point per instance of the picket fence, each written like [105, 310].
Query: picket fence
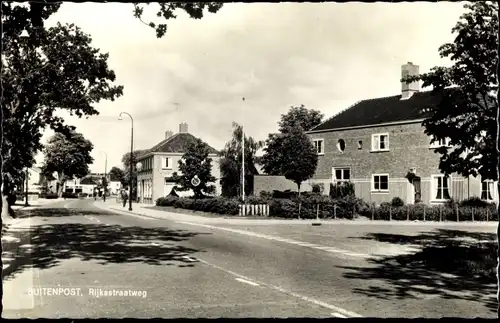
[254, 209]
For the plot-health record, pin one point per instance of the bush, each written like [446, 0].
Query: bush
[397, 202]
[217, 205]
[341, 189]
[318, 188]
[11, 199]
[474, 202]
[69, 195]
[51, 196]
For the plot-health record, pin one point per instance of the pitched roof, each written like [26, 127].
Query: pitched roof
[383, 110]
[90, 180]
[177, 143]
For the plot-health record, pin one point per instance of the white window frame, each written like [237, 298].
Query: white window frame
[439, 143]
[491, 192]
[334, 175]
[434, 189]
[378, 135]
[322, 152]
[163, 159]
[379, 190]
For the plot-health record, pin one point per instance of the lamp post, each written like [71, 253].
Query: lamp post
[105, 178]
[26, 188]
[131, 158]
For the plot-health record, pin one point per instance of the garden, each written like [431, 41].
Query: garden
[340, 204]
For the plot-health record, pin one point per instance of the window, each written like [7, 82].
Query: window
[360, 144]
[166, 163]
[487, 190]
[341, 175]
[380, 142]
[445, 142]
[380, 183]
[341, 145]
[441, 187]
[319, 146]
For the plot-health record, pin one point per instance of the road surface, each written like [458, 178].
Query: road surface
[176, 269]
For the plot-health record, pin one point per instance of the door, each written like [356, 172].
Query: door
[417, 190]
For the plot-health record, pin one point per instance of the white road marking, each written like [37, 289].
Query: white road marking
[247, 282]
[300, 243]
[339, 315]
[189, 258]
[284, 291]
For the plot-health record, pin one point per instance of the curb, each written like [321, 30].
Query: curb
[236, 220]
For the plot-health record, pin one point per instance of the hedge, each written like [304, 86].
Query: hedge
[422, 212]
[214, 205]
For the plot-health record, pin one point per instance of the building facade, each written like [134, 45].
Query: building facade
[154, 179]
[380, 146]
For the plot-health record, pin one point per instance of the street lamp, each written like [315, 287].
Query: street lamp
[131, 157]
[26, 188]
[105, 178]
[243, 158]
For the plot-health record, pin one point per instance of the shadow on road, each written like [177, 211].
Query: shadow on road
[48, 212]
[451, 264]
[52, 243]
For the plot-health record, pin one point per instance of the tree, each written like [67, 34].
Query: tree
[194, 10]
[469, 113]
[68, 156]
[50, 69]
[296, 117]
[466, 109]
[231, 161]
[300, 116]
[195, 162]
[116, 174]
[298, 159]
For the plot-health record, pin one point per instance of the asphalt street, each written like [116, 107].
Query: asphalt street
[180, 269]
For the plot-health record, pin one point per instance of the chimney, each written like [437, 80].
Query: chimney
[168, 134]
[407, 90]
[183, 127]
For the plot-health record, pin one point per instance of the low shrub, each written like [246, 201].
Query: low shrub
[397, 202]
[69, 195]
[474, 202]
[51, 196]
[217, 205]
[341, 189]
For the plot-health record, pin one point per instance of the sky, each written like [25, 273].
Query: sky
[326, 56]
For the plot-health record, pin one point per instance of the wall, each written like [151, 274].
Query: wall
[278, 183]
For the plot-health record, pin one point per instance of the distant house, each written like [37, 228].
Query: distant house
[161, 161]
[380, 145]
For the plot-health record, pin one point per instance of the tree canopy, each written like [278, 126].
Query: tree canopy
[297, 157]
[126, 166]
[68, 156]
[296, 118]
[466, 113]
[116, 174]
[44, 70]
[300, 116]
[195, 162]
[231, 161]
[167, 10]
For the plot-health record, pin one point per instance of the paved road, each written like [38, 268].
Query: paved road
[199, 270]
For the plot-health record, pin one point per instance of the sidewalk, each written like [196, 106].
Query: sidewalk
[144, 210]
[33, 204]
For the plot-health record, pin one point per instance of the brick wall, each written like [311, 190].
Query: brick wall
[279, 183]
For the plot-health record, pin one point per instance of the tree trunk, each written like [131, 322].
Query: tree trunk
[300, 201]
[498, 162]
[7, 211]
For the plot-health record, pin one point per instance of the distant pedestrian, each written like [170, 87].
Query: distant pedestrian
[124, 197]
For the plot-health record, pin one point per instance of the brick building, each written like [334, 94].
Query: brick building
[161, 161]
[380, 144]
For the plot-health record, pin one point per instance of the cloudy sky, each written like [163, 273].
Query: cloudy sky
[326, 56]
